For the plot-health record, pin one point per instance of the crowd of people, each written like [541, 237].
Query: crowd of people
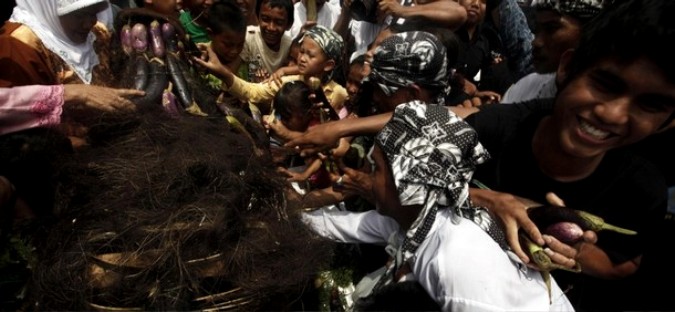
[430, 129]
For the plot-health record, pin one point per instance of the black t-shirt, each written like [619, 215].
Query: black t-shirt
[625, 190]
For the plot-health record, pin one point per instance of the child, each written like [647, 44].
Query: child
[320, 53]
[193, 19]
[266, 47]
[295, 111]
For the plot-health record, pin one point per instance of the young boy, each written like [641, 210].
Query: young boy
[267, 45]
[614, 92]
[321, 51]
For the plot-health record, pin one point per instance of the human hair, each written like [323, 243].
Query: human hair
[283, 4]
[224, 16]
[359, 60]
[645, 26]
[292, 99]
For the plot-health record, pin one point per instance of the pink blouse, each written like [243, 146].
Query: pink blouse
[25, 107]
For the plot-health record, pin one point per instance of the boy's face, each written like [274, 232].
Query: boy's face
[475, 10]
[384, 189]
[611, 105]
[227, 45]
[554, 34]
[273, 22]
[311, 60]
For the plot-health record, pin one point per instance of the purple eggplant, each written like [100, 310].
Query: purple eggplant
[156, 41]
[169, 36]
[125, 39]
[141, 71]
[139, 37]
[158, 81]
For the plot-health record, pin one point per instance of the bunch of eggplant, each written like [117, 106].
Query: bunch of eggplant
[566, 225]
[156, 53]
[157, 67]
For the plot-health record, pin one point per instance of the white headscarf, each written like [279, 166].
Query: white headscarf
[42, 18]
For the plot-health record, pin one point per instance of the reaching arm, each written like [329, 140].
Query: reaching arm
[447, 13]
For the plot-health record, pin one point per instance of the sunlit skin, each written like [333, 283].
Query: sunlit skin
[554, 34]
[227, 45]
[312, 62]
[273, 23]
[78, 24]
[166, 7]
[608, 106]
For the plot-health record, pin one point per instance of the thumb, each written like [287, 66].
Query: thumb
[553, 199]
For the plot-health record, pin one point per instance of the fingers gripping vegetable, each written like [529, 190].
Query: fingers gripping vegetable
[548, 216]
[543, 261]
[568, 226]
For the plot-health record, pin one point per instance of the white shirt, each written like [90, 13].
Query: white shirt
[459, 265]
[255, 46]
[327, 16]
[532, 86]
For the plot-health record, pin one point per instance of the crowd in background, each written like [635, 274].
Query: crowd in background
[428, 128]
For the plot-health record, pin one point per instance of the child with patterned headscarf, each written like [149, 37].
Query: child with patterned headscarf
[320, 54]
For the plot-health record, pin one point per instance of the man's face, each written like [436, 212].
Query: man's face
[273, 22]
[554, 34]
[78, 24]
[475, 11]
[227, 45]
[611, 105]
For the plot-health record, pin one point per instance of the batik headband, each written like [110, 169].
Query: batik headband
[329, 41]
[408, 58]
[433, 154]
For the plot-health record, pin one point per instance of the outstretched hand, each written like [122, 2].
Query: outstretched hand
[79, 96]
[209, 60]
[316, 139]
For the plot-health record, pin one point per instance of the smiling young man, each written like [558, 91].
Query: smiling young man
[615, 91]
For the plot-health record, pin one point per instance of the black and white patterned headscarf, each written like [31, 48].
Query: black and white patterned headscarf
[581, 9]
[330, 43]
[407, 58]
[433, 155]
